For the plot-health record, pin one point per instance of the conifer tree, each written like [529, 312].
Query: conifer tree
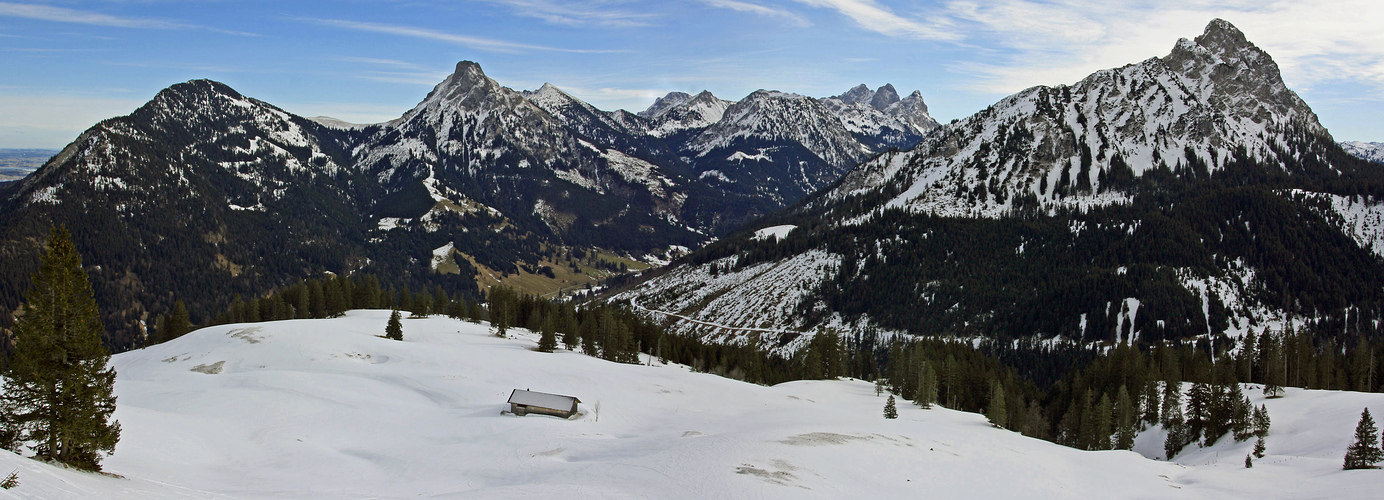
[1248, 463]
[473, 311]
[1261, 421]
[1274, 373]
[58, 390]
[394, 330]
[1124, 421]
[1259, 447]
[569, 329]
[927, 388]
[1176, 429]
[1198, 410]
[178, 322]
[547, 341]
[890, 411]
[1104, 411]
[998, 415]
[317, 303]
[1363, 453]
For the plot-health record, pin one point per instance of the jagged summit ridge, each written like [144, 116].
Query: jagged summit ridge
[1211, 96]
[663, 104]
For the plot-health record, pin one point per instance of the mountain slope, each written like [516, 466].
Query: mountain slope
[1369, 151]
[202, 192]
[361, 416]
[1187, 196]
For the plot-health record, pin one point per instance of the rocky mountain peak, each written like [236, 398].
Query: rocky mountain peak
[884, 97]
[1225, 66]
[665, 103]
[857, 95]
[1222, 35]
[468, 72]
[915, 101]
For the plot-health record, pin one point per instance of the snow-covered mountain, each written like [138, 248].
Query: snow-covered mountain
[201, 181]
[1187, 195]
[1369, 151]
[879, 118]
[678, 114]
[353, 415]
[496, 184]
[1207, 101]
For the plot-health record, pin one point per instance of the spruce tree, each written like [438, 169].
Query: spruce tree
[1259, 447]
[1248, 463]
[394, 330]
[998, 415]
[1363, 453]
[1124, 421]
[890, 411]
[1104, 415]
[178, 322]
[547, 341]
[1261, 421]
[58, 390]
[1274, 375]
[1176, 429]
[927, 389]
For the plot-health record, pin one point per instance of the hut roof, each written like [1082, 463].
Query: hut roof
[542, 399]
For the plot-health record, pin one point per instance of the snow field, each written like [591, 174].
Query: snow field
[326, 409]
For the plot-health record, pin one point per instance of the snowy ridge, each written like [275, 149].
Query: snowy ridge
[1368, 151]
[267, 148]
[772, 116]
[1209, 96]
[692, 113]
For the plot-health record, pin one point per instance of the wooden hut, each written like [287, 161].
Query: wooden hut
[523, 402]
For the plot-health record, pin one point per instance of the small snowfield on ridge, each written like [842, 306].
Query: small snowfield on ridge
[327, 409]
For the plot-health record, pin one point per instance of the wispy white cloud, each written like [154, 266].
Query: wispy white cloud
[475, 42]
[872, 16]
[394, 71]
[65, 15]
[577, 13]
[1060, 41]
[753, 8]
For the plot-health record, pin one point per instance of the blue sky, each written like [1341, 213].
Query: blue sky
[64, 65]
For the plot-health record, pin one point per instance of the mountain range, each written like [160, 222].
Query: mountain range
[1192, 195]
[203, 193]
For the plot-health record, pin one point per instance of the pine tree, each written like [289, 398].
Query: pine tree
[1124, 421]
[1274, 373]
[1177, 430]
[1363, 453]
[998, 415]
[569, 329]
[927, 389]
[547, 342]
[1198, 410]
[1261, 421]
[394, 330]
[890, 411]
[58, 390]
[499, 318]
[1104, 411]
[1248, 463]
[178, 322]
[1259, 447]
[473, 311]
